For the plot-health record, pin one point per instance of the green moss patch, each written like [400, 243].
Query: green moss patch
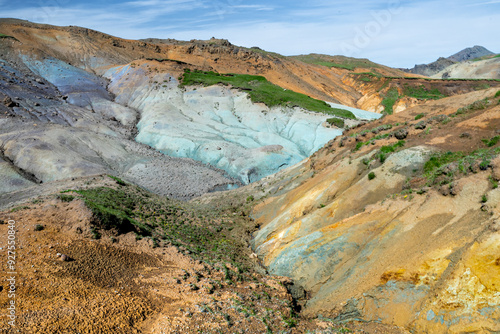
[262, 91]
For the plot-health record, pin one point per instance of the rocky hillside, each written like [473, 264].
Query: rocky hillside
[471, 53]
[397, 221]
[112, 153]
[439, 68]
[486, 68]
[431, 69]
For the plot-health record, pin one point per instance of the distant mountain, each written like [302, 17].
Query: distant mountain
[484, 69]
[471, 53]
[442, 63]
[431, 68]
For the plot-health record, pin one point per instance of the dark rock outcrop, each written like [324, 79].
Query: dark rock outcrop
[470, 53]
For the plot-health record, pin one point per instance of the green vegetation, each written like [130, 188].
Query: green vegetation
[388, 149]
[341, 113]
[7, 36]
[19, 208]
[476, 105]
[491, 142]
[256, 49]
[371, 176]
[422, 93]
[38, 227]
[419, 116]
[392, 148]
[493, 182]
[290, 320]
[114, 209]
[95, 233]
[366, 76]
[484, 199]
[118, 180]
[442, 167]
[359, 145]
[378, 129]
[337, 61]
[497, 94]
[482, 86]
[66, 198]
[338, 122]
[332, 64]
[440, 159]
[203, 232]
[484, 58]
[161, 60]
[262, 91]
[389, 100]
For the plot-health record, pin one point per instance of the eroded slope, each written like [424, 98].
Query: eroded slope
[372, 230]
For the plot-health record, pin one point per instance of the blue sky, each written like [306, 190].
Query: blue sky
[394, 33]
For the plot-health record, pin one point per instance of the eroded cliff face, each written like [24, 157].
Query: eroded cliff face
[78, 101]
[407, 245]
[218, 125]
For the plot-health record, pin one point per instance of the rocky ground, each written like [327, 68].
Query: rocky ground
[396, 221]
[69, 280]
[390, 228]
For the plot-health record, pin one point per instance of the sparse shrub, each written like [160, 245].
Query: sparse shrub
[493, 182]
[371, 176]
[485, 164]
[250, 198]
[113, 209]
[119, 181]
[66, 198]
[227, 274]
[339, 123]
[95, 234]
[392, 148]
[476, 105]
[419, 116]
[421, 125]
[382, 157]
[38, 227]
[482, 86]
[441, 167]
[19, 208]
[497, 94]
[228, 319]
[491, 142]
[484, 199]
[210, 289]
[290, 322]
[359, 144]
